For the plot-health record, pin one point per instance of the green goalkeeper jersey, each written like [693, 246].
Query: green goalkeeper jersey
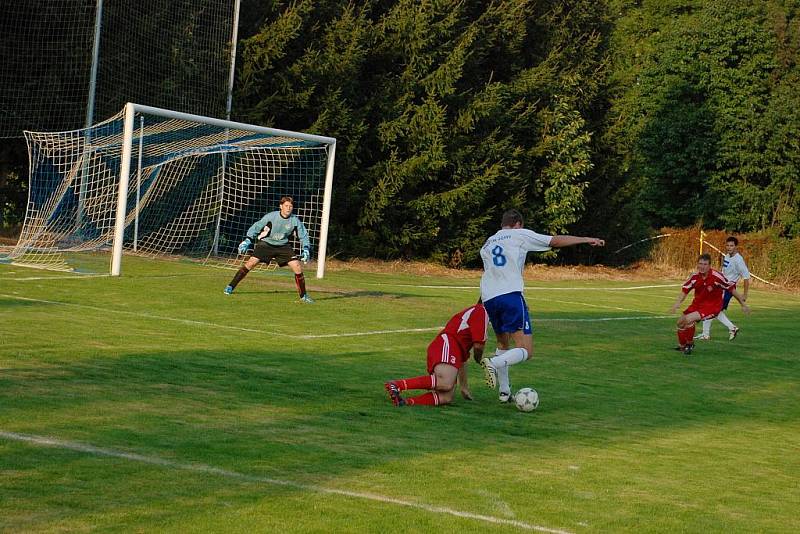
[276, 230]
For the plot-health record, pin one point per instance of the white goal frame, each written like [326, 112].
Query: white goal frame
[125, 169]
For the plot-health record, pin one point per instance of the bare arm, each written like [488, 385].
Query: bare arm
[677, 304]
[477, 352]
[746, 282]
[737, 296]
[462, 381]
[560, 241]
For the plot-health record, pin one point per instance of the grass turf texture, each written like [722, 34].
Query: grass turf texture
[198, 411]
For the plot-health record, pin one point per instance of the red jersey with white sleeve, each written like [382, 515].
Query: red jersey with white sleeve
[453, 343]
[708, 292]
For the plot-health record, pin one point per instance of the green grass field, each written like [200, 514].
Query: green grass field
[153, 402]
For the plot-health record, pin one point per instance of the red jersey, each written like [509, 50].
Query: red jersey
[708, 290]
[468, 327]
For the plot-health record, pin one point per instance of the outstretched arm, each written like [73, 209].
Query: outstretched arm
[740, 298]
[561, 241]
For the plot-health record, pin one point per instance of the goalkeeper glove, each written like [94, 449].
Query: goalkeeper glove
[305, 255]
[244, 245]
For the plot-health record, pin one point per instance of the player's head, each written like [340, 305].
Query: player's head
[287, 204]
[704, 263]
[511, 219]
[730, 244]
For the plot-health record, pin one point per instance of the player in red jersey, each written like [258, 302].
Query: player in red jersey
[448, 354]
[709, 287]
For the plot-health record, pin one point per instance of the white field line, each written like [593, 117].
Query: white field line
[69, 277]
[224, 473]
[316, 336]
[148, 316]
[372, 332]
[603, 319]
[589, 305]
[527, 288]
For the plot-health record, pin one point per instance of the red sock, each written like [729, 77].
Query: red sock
[681, 336]
[690, 334]
[241, 273]
[426, 399]
[419, 382]
[300, 282]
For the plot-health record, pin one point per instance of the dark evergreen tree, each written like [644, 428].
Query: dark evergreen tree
[448, 112]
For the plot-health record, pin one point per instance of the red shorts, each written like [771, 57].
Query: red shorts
[444, 350]
[705, 311]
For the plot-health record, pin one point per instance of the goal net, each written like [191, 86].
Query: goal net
[154, 182]
[57, 55]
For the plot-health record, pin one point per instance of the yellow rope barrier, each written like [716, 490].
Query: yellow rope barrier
[751, 273]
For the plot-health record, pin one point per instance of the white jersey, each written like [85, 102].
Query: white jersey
[734, 268]
[503, 257]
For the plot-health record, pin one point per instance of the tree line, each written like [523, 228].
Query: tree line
[600, 117]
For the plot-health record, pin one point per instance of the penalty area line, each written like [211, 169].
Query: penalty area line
[218, 325]
[530, 288]
[371, 333]
[67, 277]
[148, 316]
[311, 336]
[535, 320]
[44, 441]
[603, 319]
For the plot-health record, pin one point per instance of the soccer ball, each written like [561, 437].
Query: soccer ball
[526, 399]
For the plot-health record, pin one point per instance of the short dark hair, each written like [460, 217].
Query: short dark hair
[510, 218]
[733, 240]
[706, 257]
[286, 198]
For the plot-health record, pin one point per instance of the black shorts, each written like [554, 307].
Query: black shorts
[282, 254]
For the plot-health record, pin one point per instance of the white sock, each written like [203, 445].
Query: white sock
[724, 320]
[510, 357]
[503, 381]
[707, 328]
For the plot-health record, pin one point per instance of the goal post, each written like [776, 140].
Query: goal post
[157, 182]
[127, 150]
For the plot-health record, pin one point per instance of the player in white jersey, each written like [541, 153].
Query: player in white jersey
[503, 257]
[735, 269]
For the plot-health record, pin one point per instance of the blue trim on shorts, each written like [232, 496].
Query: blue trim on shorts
[508, 313]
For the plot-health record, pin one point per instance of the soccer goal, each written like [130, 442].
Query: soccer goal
[156, 182]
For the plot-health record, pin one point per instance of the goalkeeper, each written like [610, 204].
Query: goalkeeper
[269, 238]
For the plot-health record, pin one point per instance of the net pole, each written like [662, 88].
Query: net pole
[326, 210]
[98, 22]
[122, 194]
[220, 198]
[228, 108]
[234, 38]
[89, 119]
[138, 185]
